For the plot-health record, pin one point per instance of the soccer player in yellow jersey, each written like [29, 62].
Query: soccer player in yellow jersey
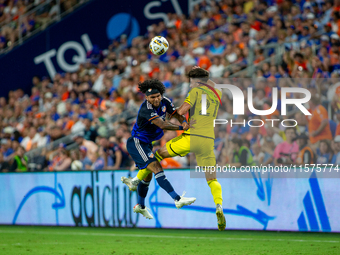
[200, 138]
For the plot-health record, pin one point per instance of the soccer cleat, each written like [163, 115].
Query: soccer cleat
[138, 209]
[221, 223]
[184, 201]
[128, 182]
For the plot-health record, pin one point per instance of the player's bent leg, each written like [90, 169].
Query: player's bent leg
[178, 146]
[206, 158]
[132, 183]
[163, 182]
[158, 156]
[162, 153]
[142, 191]
[144, 173]
[142, 154]
[216, 191]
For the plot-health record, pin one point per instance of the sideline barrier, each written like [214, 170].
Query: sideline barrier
[98, 198]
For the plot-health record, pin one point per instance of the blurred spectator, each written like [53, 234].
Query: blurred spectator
[258, 156]
[31, 139]
[217, 68]
[43, 14]
[286, 152]
[90, 131]
[64, 162]
[98, 162]
[318, 122]
[20, 161]
[336, 157]
[272, 135]
[324, 153]
[306, 154]
[6, 150]
[113, 154]
[4, 165]
[83, 157]
[240, 154]
[90, 146]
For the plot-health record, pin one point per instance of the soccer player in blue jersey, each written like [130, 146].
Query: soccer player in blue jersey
[148, 128]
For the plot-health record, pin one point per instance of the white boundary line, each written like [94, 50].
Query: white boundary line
[167, 236]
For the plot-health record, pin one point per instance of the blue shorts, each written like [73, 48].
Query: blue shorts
[140, 152]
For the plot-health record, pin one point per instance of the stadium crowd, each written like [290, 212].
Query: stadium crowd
[34, 13]
[78, 103]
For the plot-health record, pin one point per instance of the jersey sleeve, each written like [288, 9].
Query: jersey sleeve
[148, 114]
[170, 107]
[192, 96]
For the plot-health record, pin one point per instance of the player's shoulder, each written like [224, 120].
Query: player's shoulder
[166, 99]
[146, 106]
[145, 110]
[195, 90]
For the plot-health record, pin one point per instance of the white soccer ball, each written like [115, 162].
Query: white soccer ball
[158, 45]
[77, 165]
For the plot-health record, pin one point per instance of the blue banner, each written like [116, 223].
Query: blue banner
[63, 46]
[100, 199]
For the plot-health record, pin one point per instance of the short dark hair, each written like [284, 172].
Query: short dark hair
[153, 84]
[199, 73]
[237, 141]
[298, 55]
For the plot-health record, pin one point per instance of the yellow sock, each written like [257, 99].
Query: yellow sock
[159, 158]
[216, 191]
[143, 173]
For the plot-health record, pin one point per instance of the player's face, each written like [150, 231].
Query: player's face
[154, 99]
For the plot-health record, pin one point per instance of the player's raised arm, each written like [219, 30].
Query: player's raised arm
[183, 109]
[167, 125]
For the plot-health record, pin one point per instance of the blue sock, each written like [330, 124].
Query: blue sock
[142, 190]
[165, 184]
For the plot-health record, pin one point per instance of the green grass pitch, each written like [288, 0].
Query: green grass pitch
[68, 240]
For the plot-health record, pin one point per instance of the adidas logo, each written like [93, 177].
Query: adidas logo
[314, 217]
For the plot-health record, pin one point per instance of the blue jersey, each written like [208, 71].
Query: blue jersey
[144, 130]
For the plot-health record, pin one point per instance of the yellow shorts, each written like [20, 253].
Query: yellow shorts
[202, 147]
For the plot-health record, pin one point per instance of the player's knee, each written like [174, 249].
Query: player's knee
[148, 178]
[163, 152]
[210, 179]
[155, 167]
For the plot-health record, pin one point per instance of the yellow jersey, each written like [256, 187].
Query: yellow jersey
[204, 125]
